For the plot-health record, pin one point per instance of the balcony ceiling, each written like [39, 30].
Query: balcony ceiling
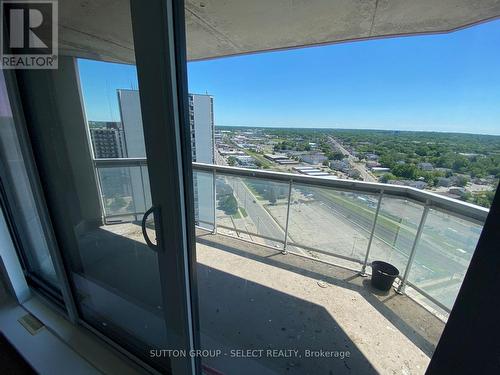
[101, 29]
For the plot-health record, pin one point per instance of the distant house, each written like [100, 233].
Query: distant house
[340, 165]
[380, 170]
[460, 191]
[371, 157]
[245, 161]
[230, 152]
[372, 164]
[416, 184]
[280, 159]
[443, 181]
[426, 166]
[444, 170]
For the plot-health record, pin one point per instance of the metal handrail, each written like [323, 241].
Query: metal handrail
[379, 191]
[464, 209]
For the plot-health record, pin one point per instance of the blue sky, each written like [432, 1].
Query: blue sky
[447, 82]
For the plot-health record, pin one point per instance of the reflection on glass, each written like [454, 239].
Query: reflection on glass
[395, 231]
[35, 247]
[124, 190]
[116, 274]
[254, 209]
[203, 199]
[443, 255]
[330, 221]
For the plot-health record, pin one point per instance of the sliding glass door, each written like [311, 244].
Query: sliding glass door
[118, 188]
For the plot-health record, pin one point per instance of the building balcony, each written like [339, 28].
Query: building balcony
[288, 255]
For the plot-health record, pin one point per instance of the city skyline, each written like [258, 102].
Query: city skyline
[446, 83]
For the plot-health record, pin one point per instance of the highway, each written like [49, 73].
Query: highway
[433, 262]
[430, 256]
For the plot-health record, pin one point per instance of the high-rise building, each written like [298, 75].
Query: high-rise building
[201, 120]
[107, 139]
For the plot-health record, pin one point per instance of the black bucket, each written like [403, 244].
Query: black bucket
[383, 275]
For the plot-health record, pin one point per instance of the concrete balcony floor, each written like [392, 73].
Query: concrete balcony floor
[252, 297]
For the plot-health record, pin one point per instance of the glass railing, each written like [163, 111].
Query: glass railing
[428, 237]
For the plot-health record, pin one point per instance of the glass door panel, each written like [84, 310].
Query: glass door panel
[119, 276]
[98, 196]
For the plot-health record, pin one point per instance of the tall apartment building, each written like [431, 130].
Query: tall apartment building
[201, 120]
[107, 139]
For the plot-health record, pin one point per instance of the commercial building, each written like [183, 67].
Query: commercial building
[314, 158]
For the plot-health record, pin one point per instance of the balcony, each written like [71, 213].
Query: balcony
[288, 256]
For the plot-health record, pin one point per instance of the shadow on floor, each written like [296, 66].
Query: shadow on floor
[239, 314]
[411, 319]
[235, 314]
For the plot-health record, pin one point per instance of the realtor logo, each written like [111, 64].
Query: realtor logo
[29, 34]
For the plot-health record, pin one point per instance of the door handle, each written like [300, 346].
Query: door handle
[155, 211]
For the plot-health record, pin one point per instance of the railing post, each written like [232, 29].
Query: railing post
[401, 288]
[143, 190]
[214, 178]
[287, 217]
[365, 263]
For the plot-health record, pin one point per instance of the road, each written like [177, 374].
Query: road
[367, 176]
[431, 255]
[263, 221]
[266, 225]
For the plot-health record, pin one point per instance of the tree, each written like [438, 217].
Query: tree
[387, 177]
[337, 155]
[461, 181]
[222, 189]
[232, 161]
[460, 163]
[228, 204]
[387, 161]
[409, 171]
[272, 196]
[117, 203]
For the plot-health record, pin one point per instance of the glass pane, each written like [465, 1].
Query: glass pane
[443, 255]
[203, 199]
[123, 192]
[325, 112]
[395, 231]
[26, 218]
[252, 208]
[325, 221]
[116, 274]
